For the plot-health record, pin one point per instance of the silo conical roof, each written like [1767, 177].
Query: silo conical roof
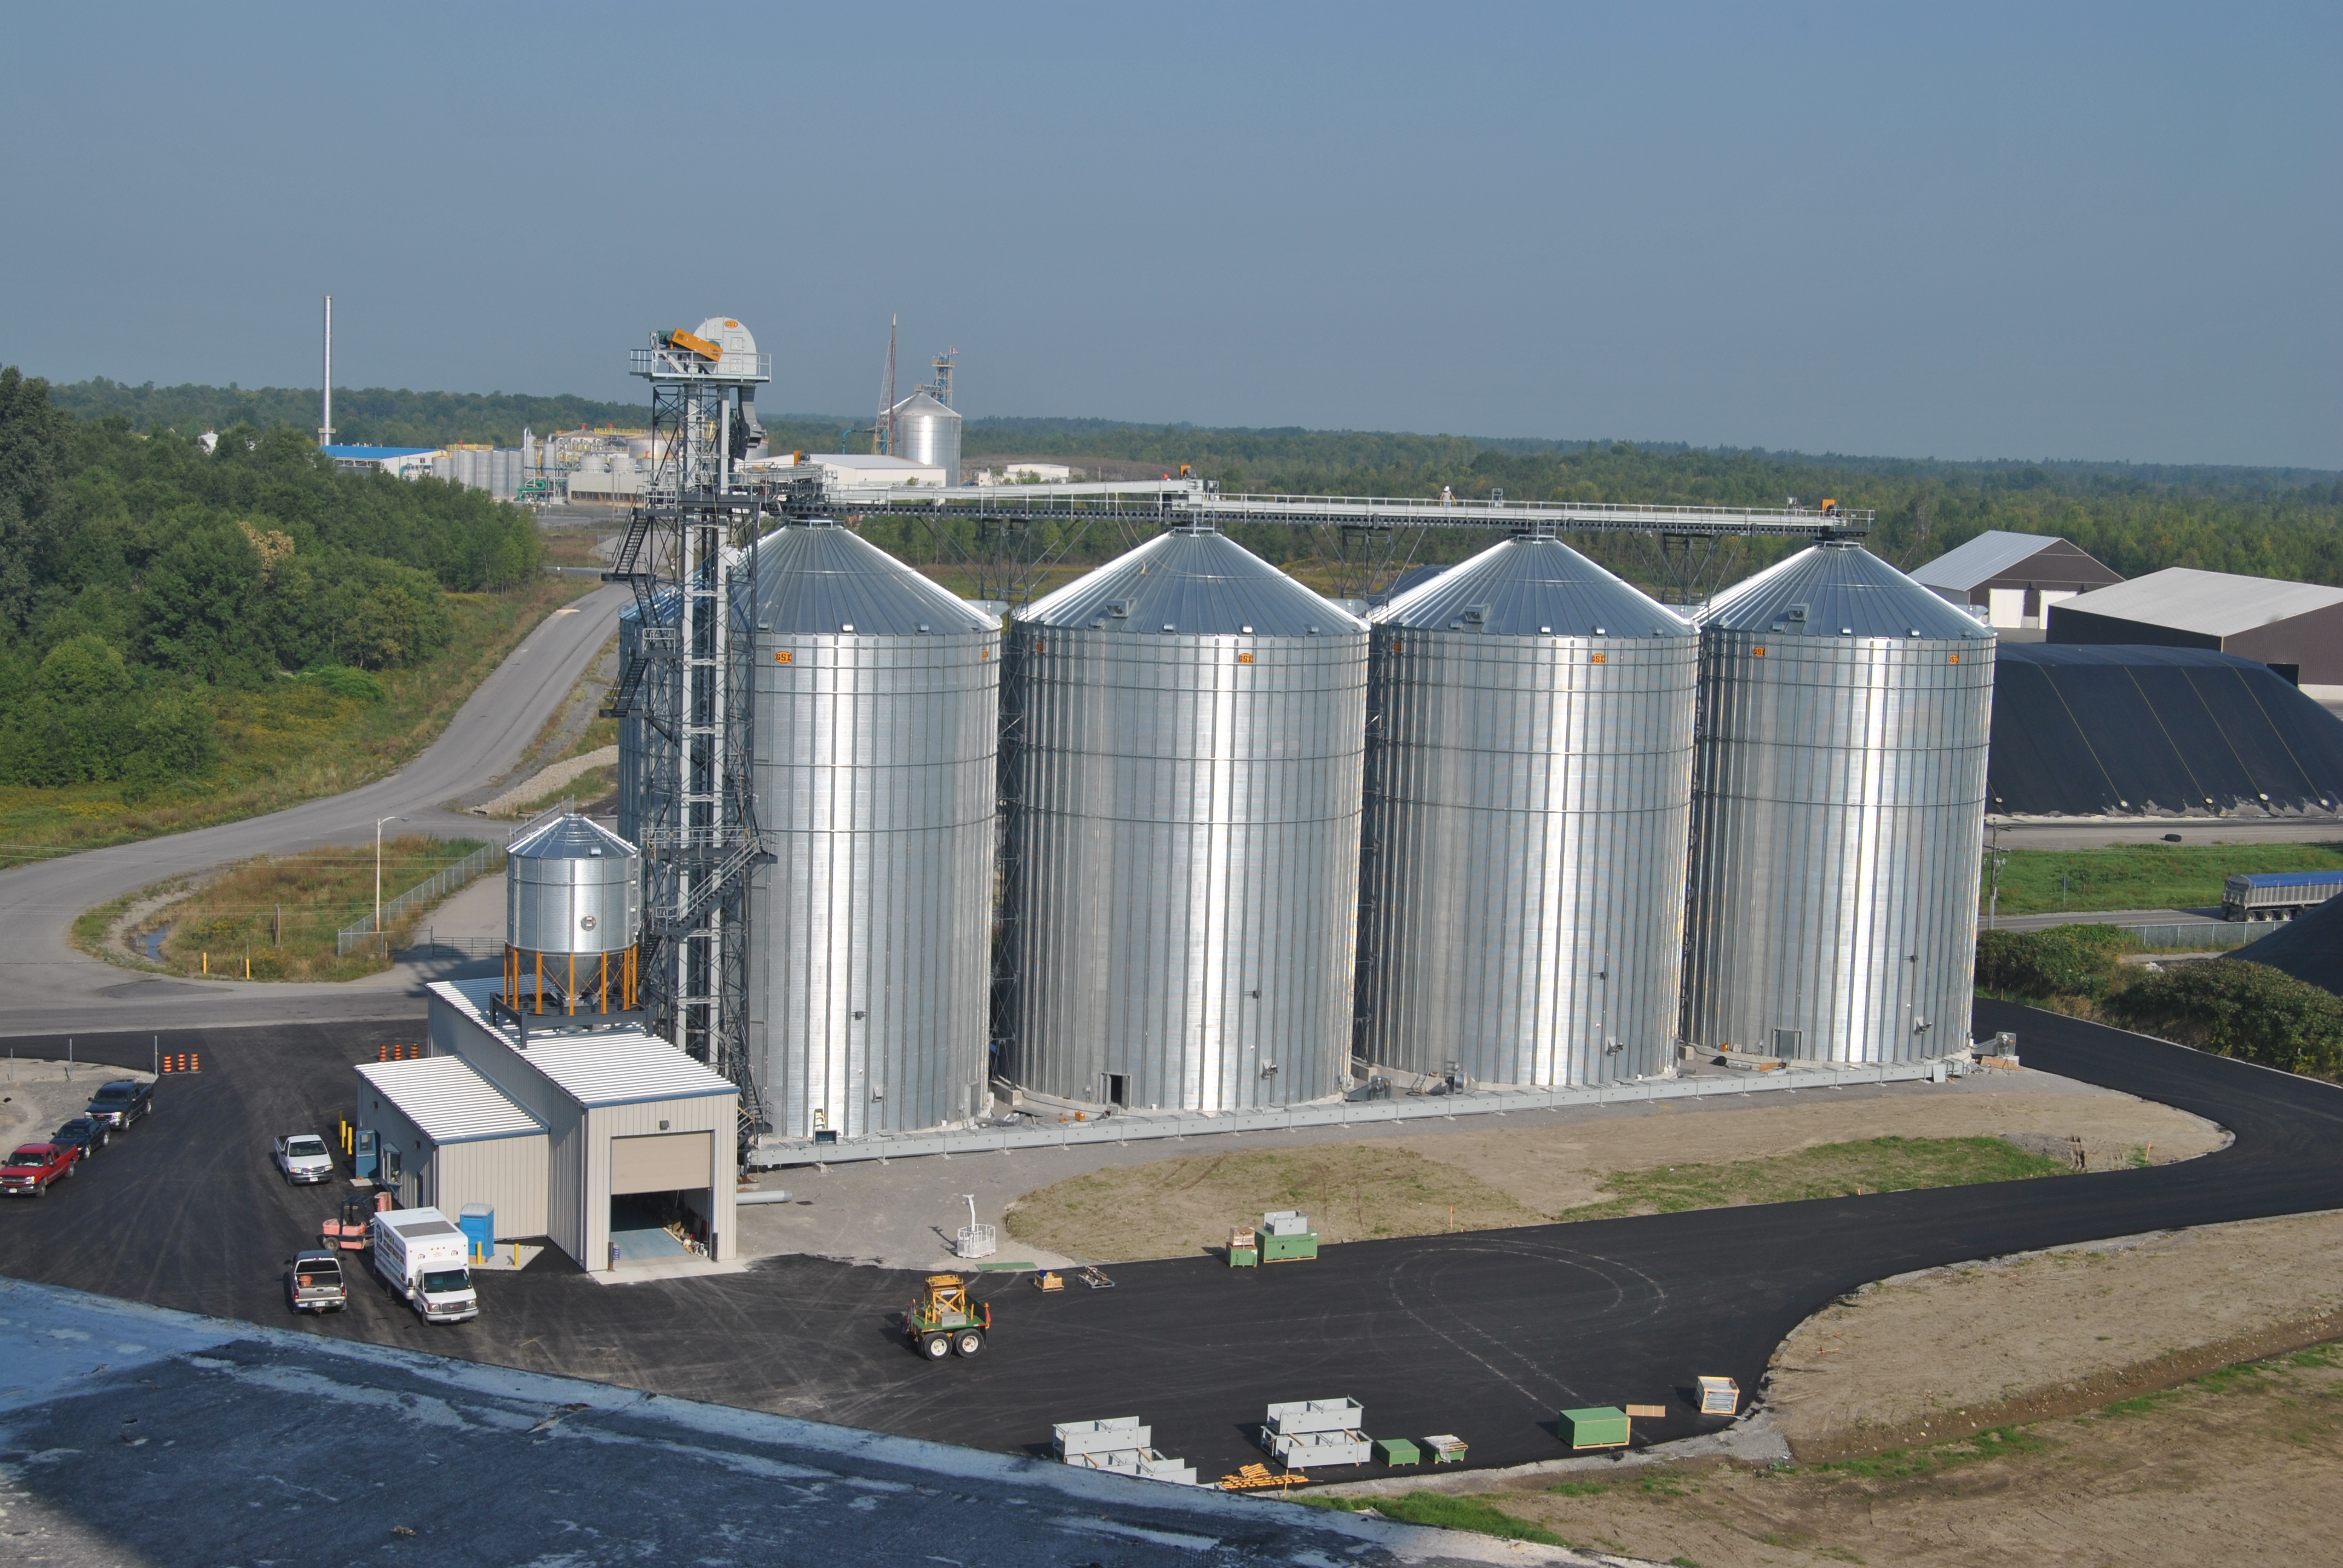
[819, 579]
[1838, 589]
[926, 406]
[568, 838]
[1533, 588]
[1194, 583]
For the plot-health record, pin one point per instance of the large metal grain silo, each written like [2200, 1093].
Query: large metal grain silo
[928, 431]
[1529, 791]
[1181, 768]
[1838, 814]
[877, 696]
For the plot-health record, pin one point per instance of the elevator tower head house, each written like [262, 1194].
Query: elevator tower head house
[689, 686]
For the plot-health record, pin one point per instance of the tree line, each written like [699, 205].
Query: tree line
[363, 415]
[140, 574]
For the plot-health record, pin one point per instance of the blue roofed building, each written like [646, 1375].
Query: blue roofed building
[406, 462]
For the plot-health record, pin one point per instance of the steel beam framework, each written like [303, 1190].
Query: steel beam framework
[1010, 535]
[691, 688]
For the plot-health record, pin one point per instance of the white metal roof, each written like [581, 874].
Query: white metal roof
[448, 1100]
[604, 1067]
[2211, 604]
[1988, 555]
[623, 1067]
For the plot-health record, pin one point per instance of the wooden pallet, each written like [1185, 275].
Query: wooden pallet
[1255, 1477]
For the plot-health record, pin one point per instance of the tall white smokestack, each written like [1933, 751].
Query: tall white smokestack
[325, 422]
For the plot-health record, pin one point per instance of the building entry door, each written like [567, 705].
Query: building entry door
[661, 1162]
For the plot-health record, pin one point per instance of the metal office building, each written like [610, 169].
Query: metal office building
[876, 726]
[1838, 814]
[1181, 761]
[1529, 783]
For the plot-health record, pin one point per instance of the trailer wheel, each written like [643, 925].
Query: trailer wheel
[936, 1347]
[969, 1341]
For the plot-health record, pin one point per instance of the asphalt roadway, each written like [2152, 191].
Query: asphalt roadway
[44, 984]
[1485, 1334]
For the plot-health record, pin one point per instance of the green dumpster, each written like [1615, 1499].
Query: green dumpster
[1397, 1450]
[1597, 1426]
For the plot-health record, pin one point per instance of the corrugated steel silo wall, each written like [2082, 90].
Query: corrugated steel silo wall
[1527, 813]
[1184, 837]
[870, 967]
[1839, 818]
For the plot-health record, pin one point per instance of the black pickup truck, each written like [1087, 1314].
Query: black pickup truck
[121, 1102]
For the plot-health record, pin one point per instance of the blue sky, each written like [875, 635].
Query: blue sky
[2076, 231]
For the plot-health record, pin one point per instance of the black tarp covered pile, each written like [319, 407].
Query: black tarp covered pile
[2129, 731]
[2309, 947]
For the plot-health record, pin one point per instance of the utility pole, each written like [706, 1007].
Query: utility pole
[1997, 858]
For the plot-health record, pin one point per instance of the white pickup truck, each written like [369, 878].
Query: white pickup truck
[419, 1254]
[303, 1156]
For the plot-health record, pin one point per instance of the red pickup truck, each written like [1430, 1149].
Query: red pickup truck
[32, 1167]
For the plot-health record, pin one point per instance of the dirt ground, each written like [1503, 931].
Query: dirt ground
[1956, 1350]
[2238, 1469]
[1408, 1184]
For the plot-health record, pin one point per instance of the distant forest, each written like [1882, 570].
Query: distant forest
[363, 416]
[139, 575]
[2137, 518]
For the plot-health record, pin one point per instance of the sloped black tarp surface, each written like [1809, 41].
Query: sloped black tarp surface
[2309, 947]
[2125, 731]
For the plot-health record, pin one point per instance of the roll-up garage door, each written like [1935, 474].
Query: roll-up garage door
[661, 1162]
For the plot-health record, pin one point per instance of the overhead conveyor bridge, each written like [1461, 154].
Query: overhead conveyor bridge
[1011, 537]
[1193, 502]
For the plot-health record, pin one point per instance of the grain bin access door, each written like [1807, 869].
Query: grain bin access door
[666, 1162]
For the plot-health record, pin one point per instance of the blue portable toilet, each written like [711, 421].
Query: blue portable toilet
[478, 1224]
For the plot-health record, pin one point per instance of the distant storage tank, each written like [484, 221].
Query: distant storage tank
[875, 738]
[573, 915]
[1528, 793]
[1838, 814]
[926, 431]
[1181, 766]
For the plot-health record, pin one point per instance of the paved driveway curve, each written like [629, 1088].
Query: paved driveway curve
[45, 985]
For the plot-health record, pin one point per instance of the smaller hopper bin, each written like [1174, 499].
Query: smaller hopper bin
[573, 917]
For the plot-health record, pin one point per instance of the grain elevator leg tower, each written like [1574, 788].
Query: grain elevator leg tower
[687, 691]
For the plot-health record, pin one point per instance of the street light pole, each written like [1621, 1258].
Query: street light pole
[377, 873]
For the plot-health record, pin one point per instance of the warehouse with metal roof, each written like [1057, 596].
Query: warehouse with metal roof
[2296, 628]
[444, 1137]
[2014, 580]
[2156, 731]
[577, 1127]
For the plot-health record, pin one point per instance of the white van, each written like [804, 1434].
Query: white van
[420, 1255]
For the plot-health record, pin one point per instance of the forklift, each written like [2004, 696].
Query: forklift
[944, 1320]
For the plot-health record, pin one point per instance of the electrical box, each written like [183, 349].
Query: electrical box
[1288, 1249]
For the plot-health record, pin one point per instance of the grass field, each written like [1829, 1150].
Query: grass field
[278, 918]
[292, 740]
[2140, 876]
[1826, 1170]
